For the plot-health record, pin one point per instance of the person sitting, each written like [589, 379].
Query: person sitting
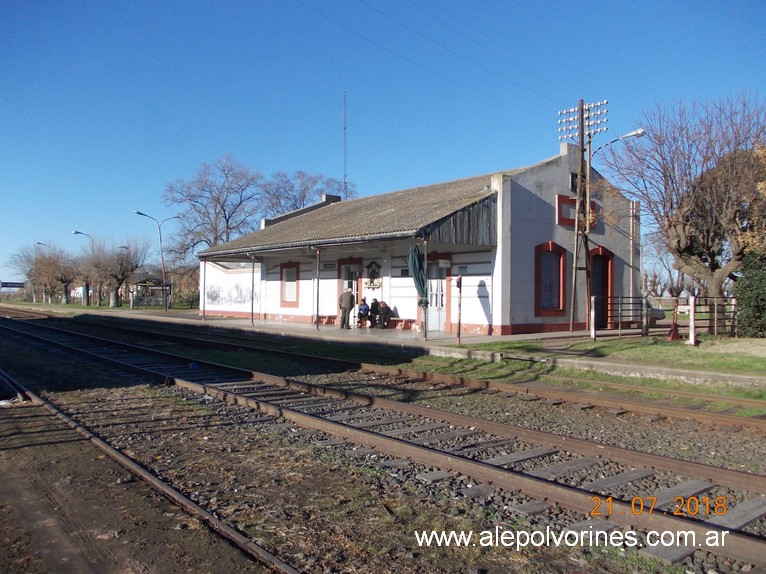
[374, 312]
[363, 313]
[385, 315]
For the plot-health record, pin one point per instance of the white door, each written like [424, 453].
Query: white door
[350, 276]
[437, 312]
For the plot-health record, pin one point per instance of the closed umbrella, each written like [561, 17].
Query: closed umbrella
[418, 273]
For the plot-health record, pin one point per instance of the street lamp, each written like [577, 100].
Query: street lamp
[86, 295]
[162, 255]
[637, 133]
[75, 232]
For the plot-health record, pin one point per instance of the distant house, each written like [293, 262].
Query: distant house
[509, 235]
[147, 292]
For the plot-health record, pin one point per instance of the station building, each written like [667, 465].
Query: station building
[509, 236]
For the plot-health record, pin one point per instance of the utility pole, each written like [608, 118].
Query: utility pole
[582, 122]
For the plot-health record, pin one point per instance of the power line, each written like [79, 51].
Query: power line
[448, 48]
[474, 41]
[405, 58]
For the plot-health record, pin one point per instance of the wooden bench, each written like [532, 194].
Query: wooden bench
[327, 319]
[400, 323]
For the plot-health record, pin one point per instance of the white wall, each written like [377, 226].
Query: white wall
[229, 290]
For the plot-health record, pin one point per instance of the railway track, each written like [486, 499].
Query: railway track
[590, 479]
[705, 408]
[257, 552]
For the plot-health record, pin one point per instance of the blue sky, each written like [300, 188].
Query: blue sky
[104, 103]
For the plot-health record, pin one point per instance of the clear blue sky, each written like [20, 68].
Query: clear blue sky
[104, 103]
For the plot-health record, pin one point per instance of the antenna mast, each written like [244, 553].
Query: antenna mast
[345, 174]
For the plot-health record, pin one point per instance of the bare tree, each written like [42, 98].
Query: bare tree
[283, 194]
[50, 269]
[696, 174]
[120, 264]
[662, 278]
[24, 263]
[221, 203]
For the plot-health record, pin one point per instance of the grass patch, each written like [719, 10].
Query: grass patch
[713, 354]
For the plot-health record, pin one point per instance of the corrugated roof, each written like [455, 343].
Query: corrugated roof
[388, 215]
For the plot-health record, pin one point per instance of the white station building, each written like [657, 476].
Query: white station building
[509, 236]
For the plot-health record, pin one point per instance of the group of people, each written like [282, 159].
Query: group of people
[377, 313]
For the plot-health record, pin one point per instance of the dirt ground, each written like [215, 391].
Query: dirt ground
[67, 508]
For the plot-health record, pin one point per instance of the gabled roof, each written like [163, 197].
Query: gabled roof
[393, 215]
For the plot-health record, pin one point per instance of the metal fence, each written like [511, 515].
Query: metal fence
[713, 315]
[615, 313]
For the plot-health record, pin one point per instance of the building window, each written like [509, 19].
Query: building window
[573, 182]
[289, 293]
[550, 280]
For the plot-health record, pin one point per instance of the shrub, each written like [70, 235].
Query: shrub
[750, 291]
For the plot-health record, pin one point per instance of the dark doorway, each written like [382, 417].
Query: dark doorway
[600, 285]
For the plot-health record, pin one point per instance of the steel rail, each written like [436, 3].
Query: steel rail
[738, 546]
[720, 475]
[740, 401]
[242, 542]
[570, 397]
[734, 478]
[524, 387]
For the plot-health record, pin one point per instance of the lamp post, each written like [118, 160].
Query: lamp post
[162, 255]
[637, 133]
[86, 295]
[75, 232]
[33, 290]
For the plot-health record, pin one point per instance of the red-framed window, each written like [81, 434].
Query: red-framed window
[565, 211]
[289, 275]
[550, 280]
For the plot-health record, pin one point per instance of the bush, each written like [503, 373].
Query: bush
[750, 291]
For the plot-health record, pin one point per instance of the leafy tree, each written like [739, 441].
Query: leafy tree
[754, 239]
[283, 194]
[696, 175]
[221, 203]
[750, 291]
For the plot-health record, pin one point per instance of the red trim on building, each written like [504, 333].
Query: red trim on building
[564, 200]
[607, 279]
[350, 261]
[550, 246]
[289, 265]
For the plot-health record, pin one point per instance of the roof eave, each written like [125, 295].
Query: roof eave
[253, 249]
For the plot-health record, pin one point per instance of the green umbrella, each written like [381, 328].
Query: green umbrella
[418, 273]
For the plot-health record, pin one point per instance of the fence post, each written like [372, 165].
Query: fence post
[645, 316]
[692, 328]
[715, 316]
[619, 316]
[593, 317]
